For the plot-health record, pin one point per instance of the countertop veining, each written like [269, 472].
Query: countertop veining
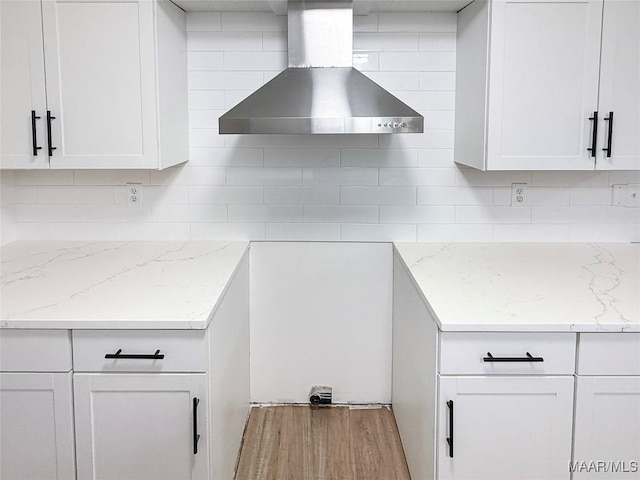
[171, 285]
[528, 287]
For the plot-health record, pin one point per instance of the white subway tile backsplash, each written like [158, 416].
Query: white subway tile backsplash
[455, 196]
[274, 42]
[379, 158]
[341, 213]
[205, 61]
[44, 177]
[493, 214]
[113, 213]
[378, 195]
[294, 157]
[257, 61]
[378, 233]
[340, 176]
[530, 233]
[110, 177]
[225, 157]
[44, 213]
[437, 42]
[224, 41]
[302, 195]
[227, 231]
[152, 231]
[454, 233]
[205, 100]
[203, 21]
[167, 213]
[416, 215]
[263, 176]
[73, 195]
[417, 176]
[396, 81]
[417, 22]
[420, 61]
[253, 22]
[224, 80]
[188, 175]
[225, 195]
[444, 81]
[591, 195]
[205, 138]
[386, 42]
[265, 213]
[573, 179]
[318, 232]
[318, 187]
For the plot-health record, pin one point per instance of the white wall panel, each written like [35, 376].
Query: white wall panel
[321, 314]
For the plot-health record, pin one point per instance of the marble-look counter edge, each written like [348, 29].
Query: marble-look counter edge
[471, 327]
[124, 323]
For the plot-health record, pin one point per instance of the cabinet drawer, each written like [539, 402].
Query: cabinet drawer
[140, 351]
[609, 354]
[35, 350]
[507, 353]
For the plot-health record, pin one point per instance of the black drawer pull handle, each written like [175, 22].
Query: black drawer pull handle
[610, 134]
[594, 134]
[146, 356]
[33, 133]
[51, 147]
[450, 437]
[196, 435]
[528, 358]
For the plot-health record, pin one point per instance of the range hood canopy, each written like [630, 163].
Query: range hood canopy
[321, 92]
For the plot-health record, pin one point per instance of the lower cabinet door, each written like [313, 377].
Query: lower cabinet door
[505, 428]
[607, 430]
[141, 426]
[36, 426]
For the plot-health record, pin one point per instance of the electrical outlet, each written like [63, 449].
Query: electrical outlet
[134, 194]
[519, 195]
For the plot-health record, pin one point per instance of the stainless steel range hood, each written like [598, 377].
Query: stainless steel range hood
[321, 92]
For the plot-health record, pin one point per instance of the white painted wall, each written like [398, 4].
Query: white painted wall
[330, 188]
[321, 315]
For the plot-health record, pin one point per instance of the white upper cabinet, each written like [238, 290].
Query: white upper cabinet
[530, 95]
[620, 87]
[22, 86]
[116, 86]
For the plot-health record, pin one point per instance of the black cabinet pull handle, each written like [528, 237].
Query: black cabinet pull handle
[49, 118]
[594, 134]
[450, 437]
[196, 435]
[528, 358]
[149, 356]
[33, 133]
[609, 134]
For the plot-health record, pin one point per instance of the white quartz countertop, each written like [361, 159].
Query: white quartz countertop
[528, 287]
[169, 285]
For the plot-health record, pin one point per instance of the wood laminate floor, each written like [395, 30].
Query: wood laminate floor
[337, 443]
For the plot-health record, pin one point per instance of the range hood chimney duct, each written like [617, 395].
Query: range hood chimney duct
[321, 92]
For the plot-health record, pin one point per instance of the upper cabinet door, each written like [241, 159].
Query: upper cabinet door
[22, 85]
[101, 83]
[620, 86]
[544, 60]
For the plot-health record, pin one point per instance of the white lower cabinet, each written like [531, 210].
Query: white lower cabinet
[36, 426]
[141, 426]
[607, 428]
[504, 428]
